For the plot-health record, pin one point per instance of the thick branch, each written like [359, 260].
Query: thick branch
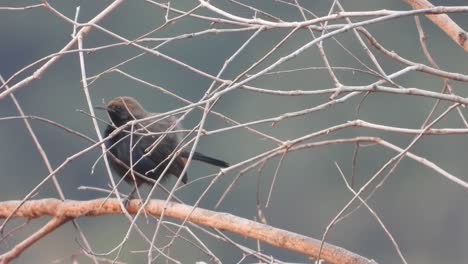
[444, 22]
[53, 224]
[224, 221]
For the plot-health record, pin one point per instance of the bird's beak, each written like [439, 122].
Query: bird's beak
[100, 107]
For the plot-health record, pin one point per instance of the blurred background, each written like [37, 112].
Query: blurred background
[426, 213]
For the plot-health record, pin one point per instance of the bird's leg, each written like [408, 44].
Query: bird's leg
[131, 195]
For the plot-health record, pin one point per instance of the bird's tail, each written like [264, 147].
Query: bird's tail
[200, 157]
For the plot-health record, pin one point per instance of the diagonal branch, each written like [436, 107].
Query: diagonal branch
[53, 224]
[444, 22]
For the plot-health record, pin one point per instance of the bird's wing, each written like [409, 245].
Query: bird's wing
[163, 147]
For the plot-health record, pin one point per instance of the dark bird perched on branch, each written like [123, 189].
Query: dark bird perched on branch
[150, 147]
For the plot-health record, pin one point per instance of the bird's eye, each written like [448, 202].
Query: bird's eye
[116, 109]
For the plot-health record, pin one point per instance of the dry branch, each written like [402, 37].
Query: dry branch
[224, 221]
[53, 224]
[444, 22]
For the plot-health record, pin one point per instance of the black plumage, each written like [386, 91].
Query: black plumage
[145, 149]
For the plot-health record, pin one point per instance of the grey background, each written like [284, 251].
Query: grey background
[426, 213]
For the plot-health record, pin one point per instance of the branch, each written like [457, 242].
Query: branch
[444, 22]
[224, 221]
[83, 31]
[53, 224]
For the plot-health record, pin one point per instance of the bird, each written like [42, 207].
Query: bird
[148, 150]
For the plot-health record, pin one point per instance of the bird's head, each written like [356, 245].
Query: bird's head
[123, 109]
